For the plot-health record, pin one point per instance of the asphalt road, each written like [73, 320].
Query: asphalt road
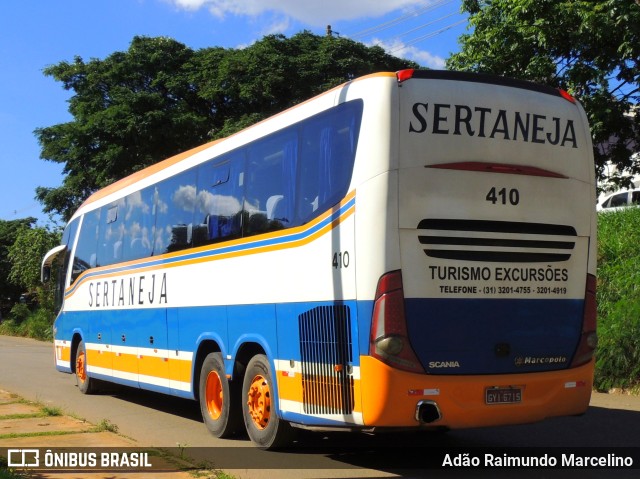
[613, 421]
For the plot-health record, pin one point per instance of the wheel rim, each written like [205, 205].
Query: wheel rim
[259, 401]
[214, 395]
[81, 369]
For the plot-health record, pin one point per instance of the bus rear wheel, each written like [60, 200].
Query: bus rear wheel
[261, 420]
[218, 398]
[86, 384]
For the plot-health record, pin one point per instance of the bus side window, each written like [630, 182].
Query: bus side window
[139, 224]
[270, 193]
[328, 153]
[111, 232]
[635, 198]
[68, 239]
[175, 200]
[219, 200]
[85, 256]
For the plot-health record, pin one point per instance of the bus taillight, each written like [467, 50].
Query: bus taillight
[389, 340]
[404, 75]
[566, 95]
[589, 337]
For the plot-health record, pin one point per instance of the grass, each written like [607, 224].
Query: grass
[6, 473]
[45, 411]
[51, 411]
[618, 296]
[28, 324]
[105, 426]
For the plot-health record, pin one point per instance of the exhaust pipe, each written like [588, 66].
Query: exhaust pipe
[427, 412]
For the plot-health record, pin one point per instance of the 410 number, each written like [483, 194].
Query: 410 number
[503, 196]
[341, 260]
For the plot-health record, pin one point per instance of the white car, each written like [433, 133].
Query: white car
[618, 200]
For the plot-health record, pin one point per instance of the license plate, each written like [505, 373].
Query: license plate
[503, 395]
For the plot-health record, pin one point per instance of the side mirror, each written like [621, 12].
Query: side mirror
[45, 269]
[46, 274]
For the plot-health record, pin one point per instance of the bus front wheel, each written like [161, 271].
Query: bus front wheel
[261, 420]
[218, 398]
[86, 384]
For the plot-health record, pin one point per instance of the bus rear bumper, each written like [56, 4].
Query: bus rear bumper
[394, 398]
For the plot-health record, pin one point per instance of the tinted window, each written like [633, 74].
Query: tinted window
[328, 147]
[276, 182]
[111, 233]
[271, 174]
[619, 200]
[139, 222]
[68, 237]
[635, 197]
[175, 200]
[219, 200]
[85, 255]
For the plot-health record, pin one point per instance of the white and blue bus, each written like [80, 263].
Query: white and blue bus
[408, 250]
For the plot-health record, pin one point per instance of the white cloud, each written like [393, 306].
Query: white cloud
[189, 4]
[280, 25]
[310, 12]
[218, 205]
[185, 197]
[423, 57]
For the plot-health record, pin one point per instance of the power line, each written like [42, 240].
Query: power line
[425, 25]
[428, 35]
[402, 18]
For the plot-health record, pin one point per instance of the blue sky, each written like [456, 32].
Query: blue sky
[36, 33]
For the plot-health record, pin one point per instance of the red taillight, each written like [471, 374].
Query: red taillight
[589, 337]
[404, 75]
[564, 94]
[485, 167]
[389, 341]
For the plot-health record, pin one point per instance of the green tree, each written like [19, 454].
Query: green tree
[34, 317]
[129, 110]
[9, 291]
[26, 253]
[590, 48]
[275, 73]
[158, 98]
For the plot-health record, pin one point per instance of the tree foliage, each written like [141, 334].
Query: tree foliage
[9, 231]
[26, 253]
[159, 97]
[590, 48]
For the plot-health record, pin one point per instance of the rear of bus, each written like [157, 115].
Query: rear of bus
[490, 317]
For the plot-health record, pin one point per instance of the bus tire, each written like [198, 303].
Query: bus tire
[218, 398]
[86, 384]
[261, 420]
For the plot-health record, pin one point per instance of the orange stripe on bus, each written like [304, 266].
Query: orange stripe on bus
[63, 353]
[154, 366]
[290, 389]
